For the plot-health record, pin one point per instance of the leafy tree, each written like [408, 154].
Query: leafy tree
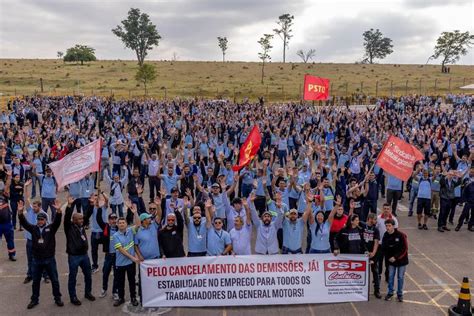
[223, 46]
[60, 54]
[306, 56]
[285, 23]
[376, 46]
[80, 53]
[265, 53]
[451, 46]
[146, 74]
[138, 33]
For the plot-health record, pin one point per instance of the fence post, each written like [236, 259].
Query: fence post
[41, 83]
[391, 88]
[435, 89]
[449, 85]
[166, 93]
[283, 92]
[346, 89]
[234, 94]
[419, 87]
[406, 88]
[301, 93]
[377, 89]
[361, 87]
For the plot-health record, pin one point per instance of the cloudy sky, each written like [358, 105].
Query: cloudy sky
[40, 28]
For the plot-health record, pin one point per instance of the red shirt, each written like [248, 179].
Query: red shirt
[338, 223]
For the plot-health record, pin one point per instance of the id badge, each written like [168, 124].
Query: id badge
[83, 237]
[199, 237]
[41, 241]
[173, 233]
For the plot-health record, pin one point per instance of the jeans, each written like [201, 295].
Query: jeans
[109, 265]
[38, 268]
[400, 279]
[282, 157]
[468, 207]
[381, 183]
[96, 240]
[444, 211]
[74, 263]
[155, 185]
[392, 199]
[34, 179]
[130, 271]
[374, 267]
[454, 203]
[14, 208]
[370, 206]
[311, 250]
[246, 190]
[29, 257]
[285, 251]
[48, 202]
[413, 195]
[117, 207]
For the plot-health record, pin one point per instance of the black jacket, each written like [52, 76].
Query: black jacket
[44, 243]
[106, 229]
[171, 240]
[76, 237]
[395, 245]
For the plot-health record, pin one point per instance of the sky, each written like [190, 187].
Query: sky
[189, 28]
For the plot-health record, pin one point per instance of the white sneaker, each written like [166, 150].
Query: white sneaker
[115, 296]
[95, 270]
[103, 293]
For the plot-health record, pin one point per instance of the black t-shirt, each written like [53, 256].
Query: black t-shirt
[370, 234]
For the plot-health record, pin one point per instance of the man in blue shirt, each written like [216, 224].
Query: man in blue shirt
[218, 240]
[146, 237]
[49, 190]
[292, 233]
[197, 231]
[423, 205]
[125, 260]
[394, 192]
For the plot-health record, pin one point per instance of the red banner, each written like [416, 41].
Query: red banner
[315, 88]
[78, 164]
[249, 149]
[398, 158]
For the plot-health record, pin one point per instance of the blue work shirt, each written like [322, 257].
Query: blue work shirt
[147, 241]
[292, 232]
[217, 241]
[123, 240]
[197, 236]
[48, 187]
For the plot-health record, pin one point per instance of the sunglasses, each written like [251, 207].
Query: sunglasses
[170, 219]
[196, 218]
[152, 208]
[218, 223]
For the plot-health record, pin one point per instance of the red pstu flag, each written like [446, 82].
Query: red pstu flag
[77, 164]
[398, 158]
[249, 149]
[315, 88]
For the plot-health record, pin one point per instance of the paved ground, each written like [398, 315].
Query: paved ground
[437, 264]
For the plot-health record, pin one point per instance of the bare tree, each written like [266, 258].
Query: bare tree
[285, 22]
[306, 56]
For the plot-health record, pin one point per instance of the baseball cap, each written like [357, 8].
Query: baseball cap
[215, 185]
[144, 216]
[293, 210]
[41, 215]
[113, 215]
[174, 189]
[267, 212]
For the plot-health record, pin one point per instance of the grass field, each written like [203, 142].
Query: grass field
[231, 79]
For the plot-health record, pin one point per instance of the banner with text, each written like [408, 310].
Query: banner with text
[254, 280]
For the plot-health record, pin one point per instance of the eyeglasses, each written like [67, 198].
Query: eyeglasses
[218, 223]
[152, 208]
[196, 218]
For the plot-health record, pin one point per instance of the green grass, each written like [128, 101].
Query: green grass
[230, 79]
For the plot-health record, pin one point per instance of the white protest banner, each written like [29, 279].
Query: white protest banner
[254, 280]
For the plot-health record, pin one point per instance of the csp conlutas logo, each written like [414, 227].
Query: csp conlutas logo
[345, 272]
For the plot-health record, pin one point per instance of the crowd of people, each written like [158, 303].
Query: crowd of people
[167, 189]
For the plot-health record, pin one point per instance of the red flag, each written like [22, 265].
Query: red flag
[78, 164]
[398, 158]
[249, 149]
[315, 88]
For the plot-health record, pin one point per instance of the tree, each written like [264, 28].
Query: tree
[264, 54]
[451, 46]
[138, 33]
[376, 46]
[80, 53]
[306, 56]
[223, 46]
[285, 22]
[146, 74]
[60, 54]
